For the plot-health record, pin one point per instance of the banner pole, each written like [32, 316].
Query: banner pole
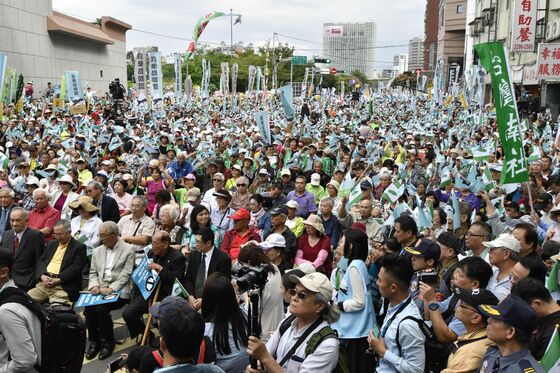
[149, 322]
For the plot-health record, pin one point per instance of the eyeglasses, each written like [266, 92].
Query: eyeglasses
[217, 180]
[300, 294]
[469, 234]
[240, 185]
[467, 308]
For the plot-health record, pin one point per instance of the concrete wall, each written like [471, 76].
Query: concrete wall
[42, 56]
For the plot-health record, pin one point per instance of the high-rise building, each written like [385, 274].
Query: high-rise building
[400, 63]
[350, 46]
[416, 53]
[431, 23]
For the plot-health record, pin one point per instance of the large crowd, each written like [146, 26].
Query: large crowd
[387, 241]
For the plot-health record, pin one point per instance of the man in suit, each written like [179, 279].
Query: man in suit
[107, 205]
[111, 267]
[6, 205]
[170, 265]
[60, 268]
[205, 261]
[27, 246]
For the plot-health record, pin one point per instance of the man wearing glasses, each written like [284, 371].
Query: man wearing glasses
[504, 253]
[311, 312]
[218, 181]
[475, 237]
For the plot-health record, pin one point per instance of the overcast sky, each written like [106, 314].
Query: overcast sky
[397, 21]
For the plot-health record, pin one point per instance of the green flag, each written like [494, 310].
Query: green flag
[552, 281]
[178, 290]
[393, 191]
[551, 358]
[495, 62]
[487, 179]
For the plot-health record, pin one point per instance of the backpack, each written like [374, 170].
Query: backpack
[316, 339]
[436, 353]
[63, 333]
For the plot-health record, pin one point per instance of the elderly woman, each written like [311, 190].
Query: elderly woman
[168, 223]
[124, 199]
[64, 196]
[241, 197]
[259, 217]
[314, 246]
[85, 226]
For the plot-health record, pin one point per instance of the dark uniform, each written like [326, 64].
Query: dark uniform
[518, 362]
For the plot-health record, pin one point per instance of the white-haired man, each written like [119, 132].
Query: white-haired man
[43, 217]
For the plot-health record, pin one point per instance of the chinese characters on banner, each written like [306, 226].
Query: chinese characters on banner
[140, 72]
[178, 76]
[154, 72]
[548, 61]
[524, 24]
[74, 92]
[493, 59]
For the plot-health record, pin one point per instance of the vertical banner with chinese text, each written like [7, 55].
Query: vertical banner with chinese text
[178, 92]
[154, 73]
[140, 72]
[493, 58]
[523, 25]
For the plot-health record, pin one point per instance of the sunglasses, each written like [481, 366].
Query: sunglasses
[241, 185]
[300, 294]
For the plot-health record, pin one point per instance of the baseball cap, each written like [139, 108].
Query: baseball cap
[496, 167]
[263, 171]
[505, 240]
[193, 194]
[475, 297]
[240, 215]
[292, 204]
[102, 173]
[278, 210]
[222, 193]
[315, 179]
[106, 162]
[542, 200]
[32, 180]
[286, 172]
[364, 185]
[450, 240]
[514, 311]
[160, 308]
[272, 241]
[315, 282]
[190, 177]
[425, 248]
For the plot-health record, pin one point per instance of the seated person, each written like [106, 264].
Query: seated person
[60, 268]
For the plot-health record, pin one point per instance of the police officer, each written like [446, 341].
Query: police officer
[510, 325]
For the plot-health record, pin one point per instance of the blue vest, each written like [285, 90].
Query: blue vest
[355, 324]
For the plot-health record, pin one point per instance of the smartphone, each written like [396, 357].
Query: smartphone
[115, 364]
[428, 277]
[376, 330]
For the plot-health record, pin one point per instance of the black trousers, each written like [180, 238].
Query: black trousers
[133, 313]
[99, 322]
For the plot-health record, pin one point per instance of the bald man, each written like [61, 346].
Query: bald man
[374, 230]
[170, 265]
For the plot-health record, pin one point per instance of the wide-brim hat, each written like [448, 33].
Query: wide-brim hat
[85, 203]
[316, 222]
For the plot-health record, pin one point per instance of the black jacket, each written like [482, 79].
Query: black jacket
[71, 268]
[110, 209]
[173, 264]
[25, 267]
[220, 262]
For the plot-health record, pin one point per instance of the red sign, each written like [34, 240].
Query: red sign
[333, 70]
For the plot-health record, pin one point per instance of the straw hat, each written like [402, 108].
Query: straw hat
[85, 203]
[316, 222]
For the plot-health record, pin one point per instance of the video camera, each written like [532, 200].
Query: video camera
[117, 89]
[251, 278]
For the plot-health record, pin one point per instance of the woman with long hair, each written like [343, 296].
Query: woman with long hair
[271, 308]
[226, 323]
[200, 218]
[354, 301]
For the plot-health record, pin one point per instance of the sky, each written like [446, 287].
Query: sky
[397, 21]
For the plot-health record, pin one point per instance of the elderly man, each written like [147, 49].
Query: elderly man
[26, 245]
[218, 181]
[43, 217]
[374, 230]
[6, 205]
[137, 228]
[60, 268]
[504, 253]
[170, 265]
[311, 312]
[278, 216]
[111, 267]
[240, 234]
[180, 167]
[107, 205]
[331, 224]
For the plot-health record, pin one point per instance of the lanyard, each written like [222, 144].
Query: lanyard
[399, 310]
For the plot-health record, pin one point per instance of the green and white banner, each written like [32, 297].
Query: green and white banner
[495, 62]
[156, 89]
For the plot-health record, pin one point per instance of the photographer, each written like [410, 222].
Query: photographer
[271, 306]
[311, 311]
[425, 261]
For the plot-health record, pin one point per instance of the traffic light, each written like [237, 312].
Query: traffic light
[322, 60]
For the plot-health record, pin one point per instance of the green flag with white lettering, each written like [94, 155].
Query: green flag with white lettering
[178, 290]
[495, 62]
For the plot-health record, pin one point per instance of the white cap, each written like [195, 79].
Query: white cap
[285, 172]
[505, 240]
[292, 204]
[315, 179]
[315, 282]
[272, 241]
[263, 171]
[106, 162]
[32, 180]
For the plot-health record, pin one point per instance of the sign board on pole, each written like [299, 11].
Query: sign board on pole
[299, 60]
[523, 25]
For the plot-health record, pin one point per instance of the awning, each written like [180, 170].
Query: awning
[58, 22]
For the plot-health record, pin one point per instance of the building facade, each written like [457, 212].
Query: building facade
[42, 44]
[351, 46]
[400, 63]
[416, 53]
[451, 36]
[431, 18]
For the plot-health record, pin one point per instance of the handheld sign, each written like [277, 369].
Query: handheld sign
[88, 299]
[144, 278]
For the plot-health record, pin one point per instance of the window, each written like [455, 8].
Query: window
[101, 73]
[459, 8]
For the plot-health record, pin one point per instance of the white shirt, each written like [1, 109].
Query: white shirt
[207, 261]
[501, 288]
[109, 259]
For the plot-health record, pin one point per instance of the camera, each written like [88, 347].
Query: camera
[116, 89]
[249, 278]
[428, 277]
